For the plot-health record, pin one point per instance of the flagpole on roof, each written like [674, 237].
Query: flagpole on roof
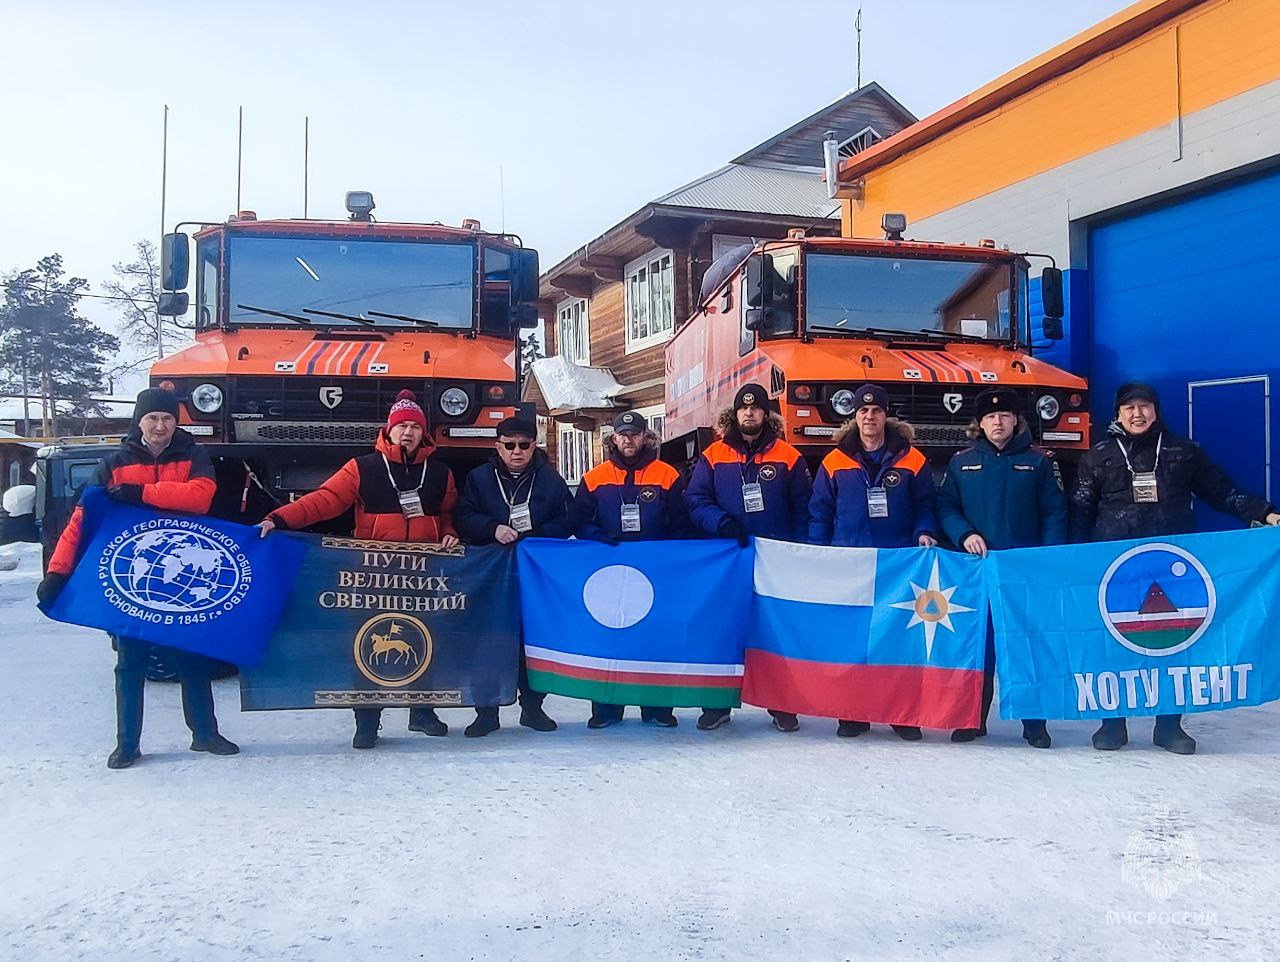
[857, 26]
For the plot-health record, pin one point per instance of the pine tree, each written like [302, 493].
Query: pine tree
[47, 350]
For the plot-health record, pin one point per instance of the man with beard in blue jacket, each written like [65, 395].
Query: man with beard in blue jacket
[516, 494]
[1001, 493]
[750, 482]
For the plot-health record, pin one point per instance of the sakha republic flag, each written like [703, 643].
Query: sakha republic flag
[890, 635]
[654, 623]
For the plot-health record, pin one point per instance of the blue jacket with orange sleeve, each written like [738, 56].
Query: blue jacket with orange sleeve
[715, 489]
[839, 513]
[652, 484]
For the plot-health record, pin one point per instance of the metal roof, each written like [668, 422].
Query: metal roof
[789, 191]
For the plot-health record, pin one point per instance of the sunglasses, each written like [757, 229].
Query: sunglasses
[512, 445]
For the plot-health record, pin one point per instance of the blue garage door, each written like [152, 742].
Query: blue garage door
[1185, 296]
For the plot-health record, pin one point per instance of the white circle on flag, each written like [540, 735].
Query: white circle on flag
[618, 596]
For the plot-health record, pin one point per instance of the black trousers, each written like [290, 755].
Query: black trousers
[194, 677]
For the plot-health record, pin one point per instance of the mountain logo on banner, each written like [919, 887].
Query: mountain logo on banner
[177, 566]
[393, 650]
[931, 607]
[1157, 599]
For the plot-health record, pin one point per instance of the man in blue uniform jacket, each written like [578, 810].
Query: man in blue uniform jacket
[1001, 493]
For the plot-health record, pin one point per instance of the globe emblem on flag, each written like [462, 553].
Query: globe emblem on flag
[1157, 599]
[174, 570]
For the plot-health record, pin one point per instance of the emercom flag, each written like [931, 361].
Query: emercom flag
[1156, 627]
[189, 582]
[655, 623]
[878, 635]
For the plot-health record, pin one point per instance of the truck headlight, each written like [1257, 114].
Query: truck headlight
[842, 402]
[206, 398]
[1048, 407]
[454, 402]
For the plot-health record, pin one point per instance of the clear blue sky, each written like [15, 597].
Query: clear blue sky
[590, 108]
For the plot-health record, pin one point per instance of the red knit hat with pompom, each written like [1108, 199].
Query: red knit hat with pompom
[406, 408]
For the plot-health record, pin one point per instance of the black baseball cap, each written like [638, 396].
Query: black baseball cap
[629, 422]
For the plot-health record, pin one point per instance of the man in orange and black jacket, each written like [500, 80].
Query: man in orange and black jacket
[632, 496]
[158, 465]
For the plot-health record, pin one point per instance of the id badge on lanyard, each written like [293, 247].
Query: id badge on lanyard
[752, 498]
[410, 504]
[1145, 490]
[521, 520]
[877, 502]
[630, 518]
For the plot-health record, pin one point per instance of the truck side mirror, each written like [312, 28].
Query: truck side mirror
[173, 303]
[525, 276]
[1051, 292]
[175, 262]
[754, 319]
[526, 316]
[759, 280]
[1052, 328]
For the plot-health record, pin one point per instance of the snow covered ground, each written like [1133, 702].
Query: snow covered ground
[629, 843]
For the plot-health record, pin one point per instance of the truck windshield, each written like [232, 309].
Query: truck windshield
[970, 299]
[318, 278]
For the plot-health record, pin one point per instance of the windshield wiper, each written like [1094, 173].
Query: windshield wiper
[345, 317]
[404, 317]
[899, 335]
[264, 310]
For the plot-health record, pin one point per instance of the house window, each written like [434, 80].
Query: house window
[573, 336]
[656, 417]
[650, 304]
[574, 448]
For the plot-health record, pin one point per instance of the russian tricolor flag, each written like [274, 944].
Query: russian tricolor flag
[879, 635]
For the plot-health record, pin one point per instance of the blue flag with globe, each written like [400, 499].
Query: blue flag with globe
[190, 582]
[1164, 626]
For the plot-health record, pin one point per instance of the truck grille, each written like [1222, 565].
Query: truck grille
[308, 432]
[940, 435]
[294, 399]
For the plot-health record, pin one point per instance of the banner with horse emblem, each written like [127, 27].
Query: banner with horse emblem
[1157, 627]
[376, 623]
[185, 581]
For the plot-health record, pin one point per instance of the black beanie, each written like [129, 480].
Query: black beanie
[154, 399]
[1137, 391]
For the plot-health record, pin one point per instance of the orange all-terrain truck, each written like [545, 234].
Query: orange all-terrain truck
[813, 318]
[306, 330]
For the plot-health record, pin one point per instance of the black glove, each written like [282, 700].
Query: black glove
[603, 538]
[50, 587]
[731, 527]
[126, 493]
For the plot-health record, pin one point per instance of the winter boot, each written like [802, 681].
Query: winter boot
[713, 718]
[908, 733]
[784, 721]
[123, 756]
[532, 716]
[486, 722]
[214, 744]
[603, 715]
[368, 722]
[662, 717]
[1036, 734]
[968, 734]
[852, 729]
[1168, 734]
[426, 721]
[1111, 735]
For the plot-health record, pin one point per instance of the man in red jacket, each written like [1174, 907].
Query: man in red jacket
[158, 465]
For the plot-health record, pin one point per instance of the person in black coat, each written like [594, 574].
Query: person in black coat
[516, 494]
[1001, 493]
[1138, 483]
